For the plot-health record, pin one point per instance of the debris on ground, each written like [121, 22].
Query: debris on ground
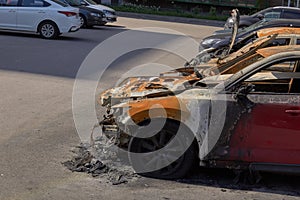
[101, 160]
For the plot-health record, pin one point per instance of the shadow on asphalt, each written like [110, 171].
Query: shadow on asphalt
[224, 178]
[62, 57]
[115, 26]
[37, 36]
[19, 34]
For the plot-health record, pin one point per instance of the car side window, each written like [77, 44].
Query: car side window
[290, 14]
[281, 42]
[34, 3]
[283, 77]
[272, 15]
[9, 2]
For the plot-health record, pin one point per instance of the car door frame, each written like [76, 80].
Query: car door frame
[230, 87]
[37, 14]
[9, 13]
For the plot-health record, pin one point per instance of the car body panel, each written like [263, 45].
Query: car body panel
[8, 16]
[277, 30]
[281, 132]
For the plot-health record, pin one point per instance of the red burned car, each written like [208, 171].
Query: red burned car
[248, 120]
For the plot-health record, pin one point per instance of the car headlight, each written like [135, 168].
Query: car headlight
[209, 42]
[108, 12]
[229, 23]
[96, 15]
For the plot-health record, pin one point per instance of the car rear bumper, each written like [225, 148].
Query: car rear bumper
[70, 25]
[74, 28]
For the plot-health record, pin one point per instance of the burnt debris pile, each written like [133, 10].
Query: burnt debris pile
[101, 160]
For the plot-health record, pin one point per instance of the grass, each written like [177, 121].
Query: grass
[175, 12]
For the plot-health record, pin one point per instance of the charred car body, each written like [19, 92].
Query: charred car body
[248, 120]
[220, 40]
[281, 36]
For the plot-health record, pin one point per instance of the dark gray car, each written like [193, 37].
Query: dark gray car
[89, 17]
[268, 13]
[221, 40]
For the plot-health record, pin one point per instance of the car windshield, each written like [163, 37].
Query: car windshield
[262, 12]
[91, 2]
[62, 3]
[256, 25]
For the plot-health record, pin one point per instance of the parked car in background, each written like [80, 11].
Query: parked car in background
[277, 36]
[219, 40]
[49, 18]
[89, 17]
[110, 14]
[268, 13]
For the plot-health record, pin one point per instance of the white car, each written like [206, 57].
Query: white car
[49, 18]
[110, 13]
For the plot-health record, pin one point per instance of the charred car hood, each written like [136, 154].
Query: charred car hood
[148, 87]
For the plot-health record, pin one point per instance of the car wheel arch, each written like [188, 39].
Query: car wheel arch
[84, 17]
[45, 21]
[197, 138]
[192, 151]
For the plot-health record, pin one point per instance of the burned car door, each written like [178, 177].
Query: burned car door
[269, 131]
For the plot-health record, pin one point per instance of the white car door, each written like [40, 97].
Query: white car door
[8, 14]
[31, 13]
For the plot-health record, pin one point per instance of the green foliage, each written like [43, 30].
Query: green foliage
[195, 13]
[213, 11]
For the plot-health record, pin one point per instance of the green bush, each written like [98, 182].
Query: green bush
[195, 13]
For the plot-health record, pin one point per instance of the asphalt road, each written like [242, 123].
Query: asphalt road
[38, 131]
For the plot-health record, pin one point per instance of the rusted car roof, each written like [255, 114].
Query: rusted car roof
[273, 50]
[277, 30]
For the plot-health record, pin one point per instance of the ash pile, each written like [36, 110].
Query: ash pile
[102, 159]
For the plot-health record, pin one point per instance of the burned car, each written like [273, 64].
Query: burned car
[259, 39]
[244, 118]
[224, 39]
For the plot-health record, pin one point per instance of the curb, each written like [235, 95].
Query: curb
[172, 19]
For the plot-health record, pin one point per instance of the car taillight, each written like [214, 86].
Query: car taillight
[68, 14]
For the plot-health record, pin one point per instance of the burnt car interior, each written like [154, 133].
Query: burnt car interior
[280, 77]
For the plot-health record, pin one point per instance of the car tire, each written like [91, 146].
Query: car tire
[83, 23]
[48, 30]
[177, 169]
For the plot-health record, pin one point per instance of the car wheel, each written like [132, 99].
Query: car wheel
[83, 23]
[48, 30]
[177, 169]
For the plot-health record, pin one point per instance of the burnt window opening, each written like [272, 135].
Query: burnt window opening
[280, 42]
[281, 77]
